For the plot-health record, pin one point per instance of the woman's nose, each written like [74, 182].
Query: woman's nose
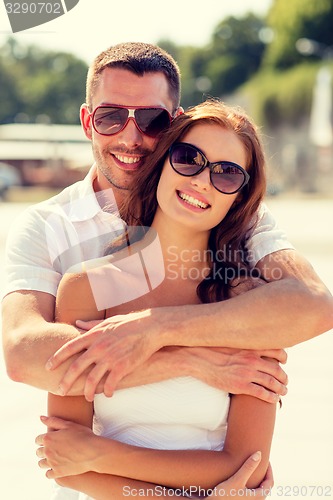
[202, 180]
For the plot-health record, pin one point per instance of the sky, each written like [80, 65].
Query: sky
[93, 25]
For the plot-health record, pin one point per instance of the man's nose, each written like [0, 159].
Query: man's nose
[130, 136]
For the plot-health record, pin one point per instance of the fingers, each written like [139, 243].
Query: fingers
[268, 481]
[87, 325]
[72, 347]
[235, 486]
[265, 488]
[271, 377]
[45, 446]
[75, 370]
[249, 466]
[40, 452]
[241, 477]
[40, 440]
[119, 370]
[93, 379]
[55, 423]
[269, 383]
[265, 386]
[110, 385]
[43, 464]
[257, 391]
[277, 372]
[279, 354]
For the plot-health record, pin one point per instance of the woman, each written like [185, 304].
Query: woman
[198, 193]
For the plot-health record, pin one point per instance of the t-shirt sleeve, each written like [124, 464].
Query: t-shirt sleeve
[265, 237]
[28, 264]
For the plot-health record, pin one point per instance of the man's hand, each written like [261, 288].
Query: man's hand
[115, 346]
[233, 370]
[239, 371]
[235, 486]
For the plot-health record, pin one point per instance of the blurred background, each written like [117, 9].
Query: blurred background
[272, 57]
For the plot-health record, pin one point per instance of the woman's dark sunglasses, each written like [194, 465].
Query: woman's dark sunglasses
[227, 177]
[112, 119]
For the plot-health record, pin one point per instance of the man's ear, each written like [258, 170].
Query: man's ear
[86, 120]
[179, 111]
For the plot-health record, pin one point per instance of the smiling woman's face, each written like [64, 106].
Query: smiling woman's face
[193, 201]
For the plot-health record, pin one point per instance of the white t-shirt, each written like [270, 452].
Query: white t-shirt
[71, 227]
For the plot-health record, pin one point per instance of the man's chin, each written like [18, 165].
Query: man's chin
[122, 185]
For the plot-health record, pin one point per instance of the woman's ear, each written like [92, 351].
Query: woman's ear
[85, 118]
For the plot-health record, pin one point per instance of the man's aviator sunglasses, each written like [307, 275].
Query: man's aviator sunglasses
[112, 119]
[227, 177]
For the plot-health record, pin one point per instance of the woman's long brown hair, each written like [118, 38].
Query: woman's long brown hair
[227, 239]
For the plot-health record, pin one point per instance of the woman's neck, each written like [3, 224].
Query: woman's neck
[184, 249]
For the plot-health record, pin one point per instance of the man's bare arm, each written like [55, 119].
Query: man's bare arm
[292, 307]
[291, 265]
[30, 337]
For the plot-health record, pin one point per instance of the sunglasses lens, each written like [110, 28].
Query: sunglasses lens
[109, 121]
[152, 121]
[227, 178]
[186, 159]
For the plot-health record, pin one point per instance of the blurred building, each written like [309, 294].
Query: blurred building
[46, 154]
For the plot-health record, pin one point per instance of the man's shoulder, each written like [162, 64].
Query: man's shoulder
[263, 219]
[61, 199]
[63, 202]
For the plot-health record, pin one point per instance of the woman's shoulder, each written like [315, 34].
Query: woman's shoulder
[76, 296]
[80, 269]
[104, 271]
[77, 278]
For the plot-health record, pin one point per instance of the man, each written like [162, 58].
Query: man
[294, 306]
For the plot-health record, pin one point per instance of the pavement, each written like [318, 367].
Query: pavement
[302, 452]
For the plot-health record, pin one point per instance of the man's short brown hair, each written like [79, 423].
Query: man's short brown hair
[139, 58]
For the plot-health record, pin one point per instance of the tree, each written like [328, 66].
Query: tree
[292, 20]
[236, 52]
[11, 103]
[37, 82]
[231, 58]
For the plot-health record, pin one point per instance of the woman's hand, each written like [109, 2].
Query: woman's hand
[69, 449]
[235, 486]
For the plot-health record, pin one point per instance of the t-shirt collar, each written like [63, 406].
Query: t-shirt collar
[84, 203]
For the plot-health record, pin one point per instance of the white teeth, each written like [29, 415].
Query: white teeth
[192, 201]
[128, 159]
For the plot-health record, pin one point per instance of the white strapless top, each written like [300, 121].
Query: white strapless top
[180, 413]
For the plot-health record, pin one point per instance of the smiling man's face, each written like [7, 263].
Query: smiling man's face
[118, 156]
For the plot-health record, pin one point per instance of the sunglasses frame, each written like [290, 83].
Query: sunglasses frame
[131, 115]
[209, 165]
